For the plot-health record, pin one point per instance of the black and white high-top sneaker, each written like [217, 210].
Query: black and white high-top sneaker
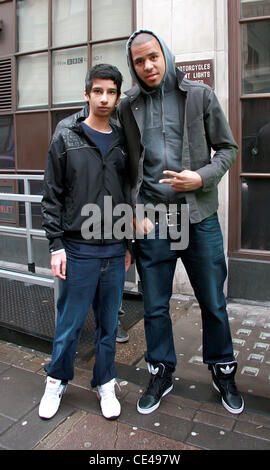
[160, 384]
[223, 381]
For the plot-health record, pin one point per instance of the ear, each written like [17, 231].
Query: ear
[86, 97]
[117, 101]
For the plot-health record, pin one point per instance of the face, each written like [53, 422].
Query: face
[149, 63]
[102, 97]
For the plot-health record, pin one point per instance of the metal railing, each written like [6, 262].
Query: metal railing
[28, 231]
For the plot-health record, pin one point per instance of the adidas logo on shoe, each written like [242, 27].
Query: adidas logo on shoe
[223, 381]
[160, 384]
[227, 370]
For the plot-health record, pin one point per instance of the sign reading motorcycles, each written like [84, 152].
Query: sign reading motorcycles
[199, 70]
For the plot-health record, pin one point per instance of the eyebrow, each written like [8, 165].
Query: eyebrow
[101, 88]
[147, 55]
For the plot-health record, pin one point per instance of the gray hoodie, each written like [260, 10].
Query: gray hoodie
[163, 129]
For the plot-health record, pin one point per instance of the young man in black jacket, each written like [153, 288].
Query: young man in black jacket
[85, 165]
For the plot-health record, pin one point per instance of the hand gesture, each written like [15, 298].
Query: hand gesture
[186, 180]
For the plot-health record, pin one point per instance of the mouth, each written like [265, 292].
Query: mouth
[152, 76]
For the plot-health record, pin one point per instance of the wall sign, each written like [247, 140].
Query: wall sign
[201, 71]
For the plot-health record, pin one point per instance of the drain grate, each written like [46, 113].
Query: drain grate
[29, 309]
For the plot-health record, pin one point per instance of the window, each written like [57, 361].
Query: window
[69, 71]
[253, 8]
[69, 24]
[256, 57]
[250, 119]
[32, 81]
[43, 77]
[113, 53]
[111, 19]
[32, 25]
[256, 136]
[7, 151]
[255, 225]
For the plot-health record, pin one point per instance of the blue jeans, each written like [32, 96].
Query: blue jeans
[96, 282]
[205, 265]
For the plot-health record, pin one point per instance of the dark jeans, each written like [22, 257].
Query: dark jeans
[99, 282]
[205, 265]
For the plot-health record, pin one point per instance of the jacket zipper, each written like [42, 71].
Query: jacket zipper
[165, 144]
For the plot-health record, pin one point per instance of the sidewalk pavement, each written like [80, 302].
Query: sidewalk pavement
[190, 418]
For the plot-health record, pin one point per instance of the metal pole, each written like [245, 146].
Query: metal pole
[28, 221]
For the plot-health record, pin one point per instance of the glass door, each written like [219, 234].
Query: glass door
[250, 111]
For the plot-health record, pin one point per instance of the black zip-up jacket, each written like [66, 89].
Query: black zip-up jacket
[76, 174]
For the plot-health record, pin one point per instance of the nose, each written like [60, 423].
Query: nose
[104, 97]
[148, 65]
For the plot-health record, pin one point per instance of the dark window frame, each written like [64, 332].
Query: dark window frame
[235, 99]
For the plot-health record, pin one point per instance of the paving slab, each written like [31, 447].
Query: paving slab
[214, 438]
[20, 425]
[31, 429]
[20, 392]
[191, 417]
[93, 430]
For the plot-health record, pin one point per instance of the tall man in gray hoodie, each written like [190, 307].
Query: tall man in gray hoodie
[172, 125]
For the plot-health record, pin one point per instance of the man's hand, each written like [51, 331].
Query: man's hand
[127, 260]
[58, 265]
[144, 226]
[186, 180]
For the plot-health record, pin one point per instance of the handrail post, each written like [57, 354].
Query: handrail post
[28, 221]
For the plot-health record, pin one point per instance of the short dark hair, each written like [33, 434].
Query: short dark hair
[142, 38]
[106, 71]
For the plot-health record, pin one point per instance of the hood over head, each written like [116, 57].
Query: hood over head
[169, 78]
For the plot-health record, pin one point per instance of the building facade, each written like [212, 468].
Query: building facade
[46, 47]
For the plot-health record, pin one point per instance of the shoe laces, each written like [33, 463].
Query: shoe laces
[155, 384]
[107, 391]
[154, 370]
[53, 389]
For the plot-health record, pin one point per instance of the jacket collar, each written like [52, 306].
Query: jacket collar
[81, 115]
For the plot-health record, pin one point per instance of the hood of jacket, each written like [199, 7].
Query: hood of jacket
[169, 80]
[162, 127]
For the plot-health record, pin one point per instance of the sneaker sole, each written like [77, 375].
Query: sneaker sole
[226, 406]
[147, 411]
[111, 418]
[122, 340]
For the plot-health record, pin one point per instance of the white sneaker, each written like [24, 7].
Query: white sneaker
[51, 399]
[109, 404]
